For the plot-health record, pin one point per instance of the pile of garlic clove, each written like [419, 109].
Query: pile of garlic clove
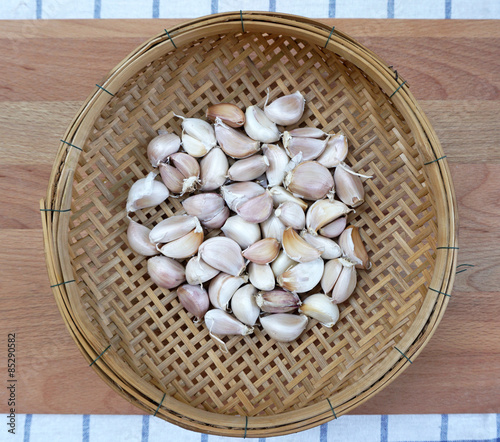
[270, 213]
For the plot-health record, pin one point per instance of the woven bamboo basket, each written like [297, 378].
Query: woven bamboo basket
[138, 338]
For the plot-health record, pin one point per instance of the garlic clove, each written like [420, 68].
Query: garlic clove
[189, 168]
[307, 132]
[146, 192]
[291, 215]
[172, 228]
[244, 306]
[241, 231]
[272, 227]
[184, 247]
[281, 195]
[238, 193]
[194, 299]
[328, 247]
[335, 228]
[323, 212]
[309, 180]
[166, 272]
[351, 243]
[321, 308]
[171, 177]
[205, 206]
[282, 263]
[331, 274]
[345, 284]
[223, 254]
[218, 220]
[220, 322]
[286, 110]
[298, 248]
[233, 142]
[162, 146]
[259, 127]
[138, 239]
[198, 271]
[200, 130]
[229, 114]
[194, 147]
[249, 168]
[262, 252]
[213, 169]
[310, 148]
[349, 187]
[222, 288]
[334, 153]
[278, 301]
[284, 327]
[278, 160]
[261, 276]
[302, 277]
[256, 209]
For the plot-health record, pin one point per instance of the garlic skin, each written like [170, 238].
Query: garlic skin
[302, 277]
[278, 301]
[233, 142]
[323, 212]
[278, 160]
[284, 327]
[282, 263]
[172, 228]
[291, 215]
[349, 187]
[335, 228]
[138, 239]
[351, 243]
[310, 148]
[345, 284]
[222, 288]
[257, 209]
[223, 254]
[166, 272]
[229, 114]
[213, 170]
[261, 276]
[161, 147]
[286, 110]
[272, 227]
[205, 206]
[321, 308]
[249, 168]
[198, 271]
[244, 306]
[335, 152]
[307, 132]
[262, 252]
[241, 231]
[280, 195]
[200, 130]
[194, 299]
[298, 248]
[309, 180]
[236, 194]
[185, 246]
[259, 127]
[220, 322]
[194, 147]
[331, 274]
[146, 192]
[328, 247]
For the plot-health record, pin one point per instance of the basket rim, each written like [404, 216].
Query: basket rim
[56, 225]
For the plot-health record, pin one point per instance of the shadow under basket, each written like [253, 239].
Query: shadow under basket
[139, 339]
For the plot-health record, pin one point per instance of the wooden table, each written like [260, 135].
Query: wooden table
[49, 67]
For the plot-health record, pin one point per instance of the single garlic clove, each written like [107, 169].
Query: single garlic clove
[171, 177]
[331, 274]
[138, 239]
[349, 187]
[189, 168]
[302, 277]
[213, 169]
[259, 127]
[200, 130]
[184, 247]
[244, 306]
[351, 243]
[335, 152]
[223, 254]
[262, 252]
[298, 248]
[278, 301]
[282, 263]
[256, 209]
[309, 180]
[146, 192]
[280, 195]
[261, 276]
[323, 212]
[222, 288]
[335, 228]
[193, 147]
[345, 284]
[198, 271]
[194, 299]
[328, 247]
[278, 160]
[166, 272]
[286, 110]
[205, 206]
[218, 220]
[284, 327]
[172, 228]
[321, 308]
[249, 168]
[162, 146]
[238, 193]
[272, 227]
[220, 322]
[229, 114]
[233, 142]
[241, 231]
[310, 148]
[307, 132]
[291, 215]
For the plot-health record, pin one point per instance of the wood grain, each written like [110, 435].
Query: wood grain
[452, 67]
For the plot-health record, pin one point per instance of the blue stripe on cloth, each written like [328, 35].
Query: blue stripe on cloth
[447, 9]
[323, 433]
[156, 8]
[331, 8]
[204, 437]
[145, 428]
[27, 428]
[498, 426]
[38, 8]
[272, 5]
[262, 439]
[390, 8]
[97, 8]
[85, 428]
[215, 6]
[444, 427]
[384, 427]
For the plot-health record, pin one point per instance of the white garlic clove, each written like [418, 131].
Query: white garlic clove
[302, 277]
[233, 142]
[259, 127]
[323, 212]
[241, 231]
[218, 220]
[222, 289]
[278, 160]
[223, 254]
[278, 301]
[349, 187]
[238, 193]
[298, 248]
[307, 132]
[189, 168]
[162, 146]
[213, 169]
[310, 148]
[244, 306]
[321, 308]
[335, 152]
[345, 284]
[328, 247]
[291, 215]
[284, 327]
[335, 228]
[229, 114]
[272, 227]
[256, 209]
[249, 168]
[193, 147]
[261, 276]
[171, 177]
[146, 192]
[205, 206]
[262, 252]
[184, 247]
[286, 110]
[220, 322]
[138, 239]
[331, 273]
[351, 243]
[166, 272]
[194, 299]
[172, 228]
[282, 263]
[198, 271]
[281, 195]
[200, 130]
[309, 180]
